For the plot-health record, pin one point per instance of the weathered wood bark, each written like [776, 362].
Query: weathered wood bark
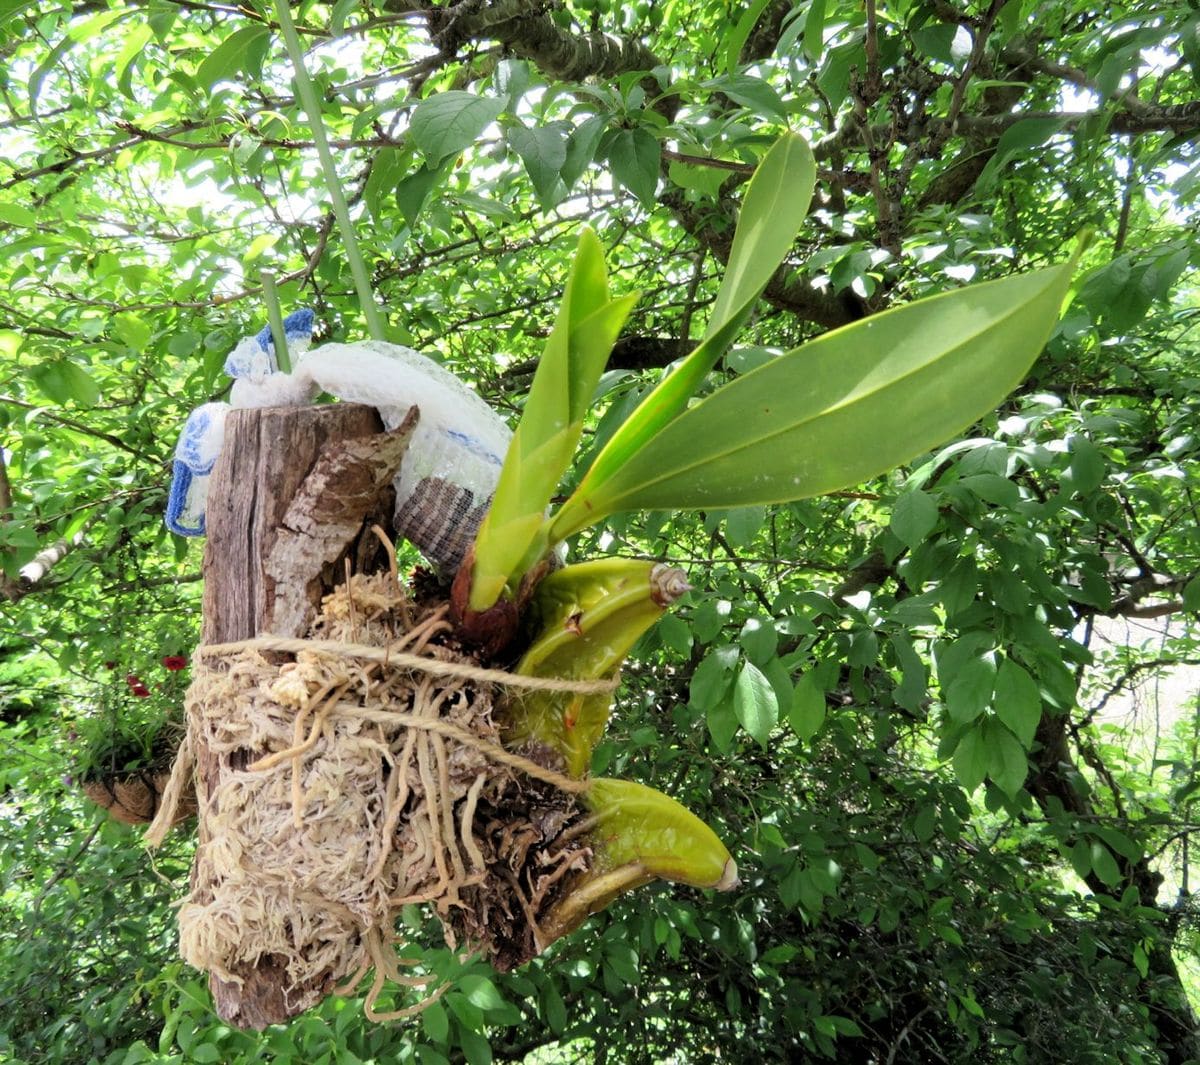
[294, 494]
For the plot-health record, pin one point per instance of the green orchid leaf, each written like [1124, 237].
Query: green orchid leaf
[512, 536]
[772, 212]
[846, 406]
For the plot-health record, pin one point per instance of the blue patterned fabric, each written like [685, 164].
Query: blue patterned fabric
[195, 455]
[297, 328]
[200, 442]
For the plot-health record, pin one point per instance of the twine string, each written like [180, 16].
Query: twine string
[435, 667]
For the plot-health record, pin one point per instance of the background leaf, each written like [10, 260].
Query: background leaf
[754, 703]
[635, 155]
[808, 707]
[445, 124]
[913, 517]
[1018, 701]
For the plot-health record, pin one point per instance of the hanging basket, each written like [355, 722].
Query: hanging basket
[359, 770]
[135, 798]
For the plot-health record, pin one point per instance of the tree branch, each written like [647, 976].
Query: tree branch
[820, 306]
[533, 35]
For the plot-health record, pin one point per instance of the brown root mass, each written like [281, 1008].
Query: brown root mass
[351, 787]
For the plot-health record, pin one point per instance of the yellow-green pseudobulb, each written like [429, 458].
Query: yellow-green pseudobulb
[638, 835]
[592, 614]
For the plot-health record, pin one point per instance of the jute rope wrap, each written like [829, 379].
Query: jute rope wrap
[361, 775]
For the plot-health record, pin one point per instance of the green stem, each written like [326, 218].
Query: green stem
[341, 210]
[275, 317]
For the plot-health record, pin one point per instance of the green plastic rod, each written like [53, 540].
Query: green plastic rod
[341, 210]
[275, 317]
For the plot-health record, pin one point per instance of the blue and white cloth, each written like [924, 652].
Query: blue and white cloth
[255, 370]
[448, 474]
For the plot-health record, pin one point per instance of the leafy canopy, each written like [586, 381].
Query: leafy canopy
[897, 704]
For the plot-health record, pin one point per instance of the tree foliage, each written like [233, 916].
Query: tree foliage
[892, 702]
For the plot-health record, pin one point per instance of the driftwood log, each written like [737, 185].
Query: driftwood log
[293, 497]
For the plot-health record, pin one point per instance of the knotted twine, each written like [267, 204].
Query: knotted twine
[364, 774]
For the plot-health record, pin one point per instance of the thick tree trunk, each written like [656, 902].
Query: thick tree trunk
[293, 497]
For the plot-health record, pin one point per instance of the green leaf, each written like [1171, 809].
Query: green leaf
[752, 93]
[759, 640]
[435, 1022]
[710, 679]
[736, 41]
[15, 215]
[543, 150]
[1104, 865]
[755, 704]
[914, 685]
[935, 40]
[722, 725]
[8, 8]
[925, 823]
[132, 330]
[808, 707]
[958, 587]
[1088, 465]
[445, 124]
[386, 173]
[554, 1010]
[707, 180]
[1081, 858]
[1020, 137]
[635, 156]
[581, 148]
[1018, 701]
[476, 1048]
[675, 634]
[414, 190]
[241, 51]
[1007, 765]
[845, 407]
[481, 991]
[773, 210]
[969, 693]
[64, 381]
[1141, 960]
[774, 207]
[512, 536]
[1119, 842]
[814, 30]
[1191, 594]
[913, 517]
[844, 1026]
[970, 759]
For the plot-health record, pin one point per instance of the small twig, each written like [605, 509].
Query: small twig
[79, 427]
[68, 865]
[1125, 681]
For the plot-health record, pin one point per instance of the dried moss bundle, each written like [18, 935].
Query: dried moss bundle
[360, 770]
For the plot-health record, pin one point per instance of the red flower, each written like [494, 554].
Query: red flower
[174, 663]
[137, 685]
